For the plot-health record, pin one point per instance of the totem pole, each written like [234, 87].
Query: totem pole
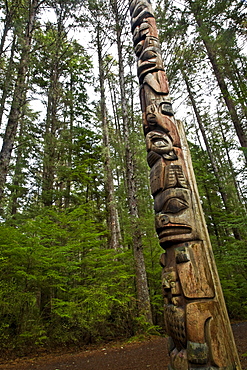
[196, 320]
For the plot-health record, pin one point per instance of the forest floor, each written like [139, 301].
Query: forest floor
[148, 354]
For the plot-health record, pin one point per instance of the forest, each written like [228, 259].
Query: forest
[72, 148]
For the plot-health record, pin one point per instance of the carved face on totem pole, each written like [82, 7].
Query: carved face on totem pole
[174, 218]
[157, 119]
[140, 11]
[148, 51]
[160, 143]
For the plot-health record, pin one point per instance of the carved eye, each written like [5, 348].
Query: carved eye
[175, 205]
[138, 48]
[153, 42]
[137, 11]
[166, 108]
[144, 26]
[160, 143]
[149, 54]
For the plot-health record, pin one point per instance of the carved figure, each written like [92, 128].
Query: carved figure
[157, 119]
[160, 143]
[195, 314]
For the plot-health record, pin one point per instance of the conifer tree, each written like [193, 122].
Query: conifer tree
[19, 96]
[203, 28]
[141, 277]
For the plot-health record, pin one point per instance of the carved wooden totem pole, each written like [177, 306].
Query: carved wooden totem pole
[195, 315]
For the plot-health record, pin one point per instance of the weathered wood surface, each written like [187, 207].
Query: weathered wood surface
[195, 314]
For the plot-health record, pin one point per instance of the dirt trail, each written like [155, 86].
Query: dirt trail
[151, 354]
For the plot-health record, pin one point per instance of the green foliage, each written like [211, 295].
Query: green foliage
[60, 284]
[59, 281]
[232, 267]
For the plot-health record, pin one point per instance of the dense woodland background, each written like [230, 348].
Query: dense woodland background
[78, 249]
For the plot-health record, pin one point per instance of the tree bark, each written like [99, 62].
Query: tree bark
[112, 212]
[223, 193]
[233, 175]
[7, 80]
[17, 177]
[70, 138]
[18, 101]
[143, 297]
[7, 25]
[49, 157]
[205, 139]
[212, 55]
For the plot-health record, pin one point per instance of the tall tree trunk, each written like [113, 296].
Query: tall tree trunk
[7, 25]
[50, 149]
[212, 55]
[7, 79]
[143, 297]
[70, 143]
[235, 76]
[209, 201]
[233, 175]
[112, 212]
[18, 101]
[205, 139]
[17, 177]
[223, 193]
[52, 123]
